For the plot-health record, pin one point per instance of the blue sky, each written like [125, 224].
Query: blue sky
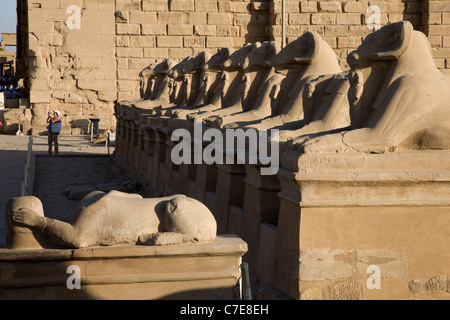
[8, 16]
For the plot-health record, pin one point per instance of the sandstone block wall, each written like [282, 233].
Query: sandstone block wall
[149, 31]
[437, 21]
[83, 72]
[71, 70]
[343, 24]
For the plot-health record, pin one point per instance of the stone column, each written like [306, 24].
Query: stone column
[202, 177]
[164, 156]
[180, 173]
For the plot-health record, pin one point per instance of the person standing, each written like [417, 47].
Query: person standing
[54, 128]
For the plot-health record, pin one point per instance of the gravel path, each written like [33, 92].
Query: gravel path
[80, 163]
[54, 176]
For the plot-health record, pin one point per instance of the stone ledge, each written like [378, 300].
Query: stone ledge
[422, 160]
[415, 178]
[194, 271]
[223, 245]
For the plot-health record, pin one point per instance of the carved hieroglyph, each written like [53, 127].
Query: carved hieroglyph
[114, 218]
[399, 99]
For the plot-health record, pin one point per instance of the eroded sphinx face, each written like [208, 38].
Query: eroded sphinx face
[13, 204]
[157, 68]
[216, 61]
[388, 43]
[177, 71]
[195, 64]
[259, 56]
[235, 60]
[368, 67]
[303, 50]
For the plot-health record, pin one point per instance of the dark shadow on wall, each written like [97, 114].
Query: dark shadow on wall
[218, 293]
[82, 124]
[256, 23]
[55, 288]
[416, 12]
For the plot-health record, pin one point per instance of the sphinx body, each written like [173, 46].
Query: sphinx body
[302, 60]
[117, 217]
[255, 100]
[399, 99]
[229, 91]
[210, 81]
[154, 80]
[181, 80]
[325, 107]
[253, 72]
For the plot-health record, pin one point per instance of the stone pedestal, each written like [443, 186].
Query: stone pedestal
[136, 143]
[121, 150]
[342, 216]
[158, 156]
[261, 205]
[126, 272]
[229, 195]
[165, 162]
[131, 143]
[183, 172]
[205, 181]
[145, 138]
[139, 152]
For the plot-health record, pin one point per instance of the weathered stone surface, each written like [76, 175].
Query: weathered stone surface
[437, 284]
[415, 286]
[324, 264]
[136, 33]
[393, 264]
[347, 291]
[11, 118]
[312, 294]
[199, 271]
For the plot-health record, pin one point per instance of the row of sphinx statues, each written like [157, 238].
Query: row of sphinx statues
[392, 97]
